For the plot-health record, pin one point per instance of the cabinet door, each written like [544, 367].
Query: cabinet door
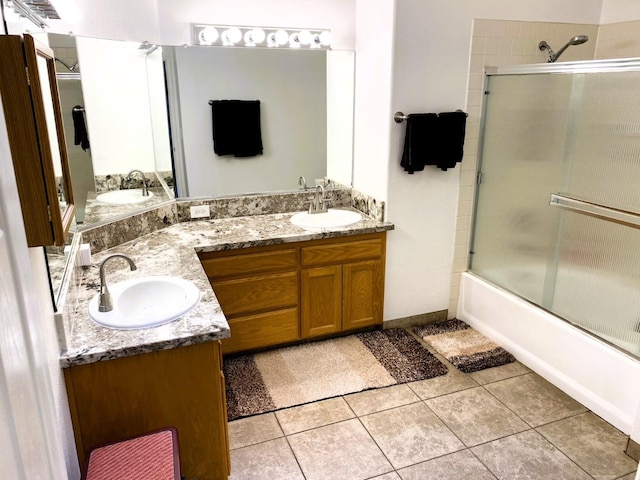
[321, 300]
[362, 294]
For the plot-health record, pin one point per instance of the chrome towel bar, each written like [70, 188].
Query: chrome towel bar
[609, 214]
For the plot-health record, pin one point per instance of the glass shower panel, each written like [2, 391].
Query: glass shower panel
[598, 278]
[606, 159]
[523, 160]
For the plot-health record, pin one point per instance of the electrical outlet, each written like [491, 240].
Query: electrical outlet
[199, 211]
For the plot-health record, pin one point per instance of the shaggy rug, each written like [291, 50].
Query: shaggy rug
[467, 349]
[268, 381]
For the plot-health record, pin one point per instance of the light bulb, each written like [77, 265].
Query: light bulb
[325, 38]
[208, 35]
[271, 40]
[281, 37]
[257, 34]
[234, 35]
[304, 37]
[294, 41]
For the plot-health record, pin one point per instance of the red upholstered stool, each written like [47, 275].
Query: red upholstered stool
[153, 456]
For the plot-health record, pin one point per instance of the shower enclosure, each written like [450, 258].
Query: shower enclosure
[557, 218]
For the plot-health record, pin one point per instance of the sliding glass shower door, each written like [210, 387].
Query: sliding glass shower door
[558, 208]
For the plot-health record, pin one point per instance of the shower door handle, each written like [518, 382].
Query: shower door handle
[609, 214]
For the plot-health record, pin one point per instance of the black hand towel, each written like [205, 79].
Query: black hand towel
[451, 128]
[420, 142]
[80, 134]
[236, 127]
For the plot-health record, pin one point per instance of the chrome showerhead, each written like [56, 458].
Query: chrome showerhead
[553, 56]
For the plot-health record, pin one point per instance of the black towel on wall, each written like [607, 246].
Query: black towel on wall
[236, 127]
[433, 139]
[80, 134]
[419, 141]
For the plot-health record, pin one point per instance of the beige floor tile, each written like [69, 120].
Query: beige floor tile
[591, 443]
[631, 476]
[252, 430]
[388, 476]
[462, 465]
[341, 451]
[475, 416]
[410, 434]
[527, 455]
[313, 415]
[265, 461]
[453, 381]
[373, 401]
[534, 399]
[502, 372]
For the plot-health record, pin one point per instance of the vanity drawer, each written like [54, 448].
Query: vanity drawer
[257, 294]
[263, 330]
[250, 263]
[342, 252]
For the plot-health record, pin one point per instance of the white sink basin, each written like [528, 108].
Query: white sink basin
[124, 197]
[331, 219]
[146, 302]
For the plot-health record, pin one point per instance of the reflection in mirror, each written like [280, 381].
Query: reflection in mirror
[306, 117]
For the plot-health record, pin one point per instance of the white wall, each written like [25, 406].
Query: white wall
[430, 68]
[119, 125]
[291, 87]
[614, 11]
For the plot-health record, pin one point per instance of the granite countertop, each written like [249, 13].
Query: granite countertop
[173, 251]
[96, 211]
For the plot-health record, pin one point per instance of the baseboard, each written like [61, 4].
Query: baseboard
[415, 320]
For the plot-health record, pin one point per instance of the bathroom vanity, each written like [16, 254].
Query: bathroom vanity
[283, 293]
[274, 283]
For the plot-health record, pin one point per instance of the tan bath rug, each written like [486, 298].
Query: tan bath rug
[268, 381]
[463, 346]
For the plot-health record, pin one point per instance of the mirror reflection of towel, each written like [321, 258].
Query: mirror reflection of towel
[81, 136]
[236, 127]
[433, 139]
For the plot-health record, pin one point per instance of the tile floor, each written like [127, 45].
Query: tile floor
[502, 423]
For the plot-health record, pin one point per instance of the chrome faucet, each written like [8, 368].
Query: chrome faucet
[302, 182]
[319, 203]
[106, 305]
[145, 191]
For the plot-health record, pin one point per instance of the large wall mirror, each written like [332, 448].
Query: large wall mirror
[135, 106]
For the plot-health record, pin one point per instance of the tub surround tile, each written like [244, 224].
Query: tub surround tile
[589, 441]
[173, 251]
[534, 399]
[411, 434]
[273, 459]
[342, 451]
[527, 455]
[475, 416]
[252, 430]
[462, 465]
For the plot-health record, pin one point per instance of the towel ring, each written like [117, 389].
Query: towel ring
[400, 117]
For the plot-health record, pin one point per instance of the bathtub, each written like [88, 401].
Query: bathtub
[601, 377]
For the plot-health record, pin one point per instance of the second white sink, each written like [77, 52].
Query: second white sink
[333, 218]
[146, 302]
[124, 197]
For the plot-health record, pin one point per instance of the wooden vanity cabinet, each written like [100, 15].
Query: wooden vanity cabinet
[279, 294]
[181, 387]
[33, 116]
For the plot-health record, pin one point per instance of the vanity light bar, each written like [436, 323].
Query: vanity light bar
[232, 36]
